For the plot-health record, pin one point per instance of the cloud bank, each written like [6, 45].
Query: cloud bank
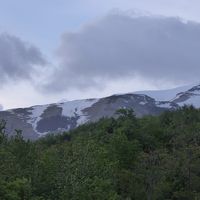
[122, 46]
[18, 59]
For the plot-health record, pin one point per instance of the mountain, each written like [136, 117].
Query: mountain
[39, 120]
[165, 95]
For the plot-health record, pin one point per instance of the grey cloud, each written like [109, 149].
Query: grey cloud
[1, 107]
[18, 59]
[121, 46]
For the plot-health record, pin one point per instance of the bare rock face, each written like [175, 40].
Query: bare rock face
[38, 121]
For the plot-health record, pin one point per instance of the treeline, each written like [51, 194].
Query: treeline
[152, 158]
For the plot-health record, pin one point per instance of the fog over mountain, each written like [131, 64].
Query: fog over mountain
[124, 46]
[81, 50]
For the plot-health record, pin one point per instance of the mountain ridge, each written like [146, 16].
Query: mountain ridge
[37, 121]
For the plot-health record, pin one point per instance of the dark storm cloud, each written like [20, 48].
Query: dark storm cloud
[121, 46]
[18, 59]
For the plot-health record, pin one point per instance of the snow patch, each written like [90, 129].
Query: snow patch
[126, 101]
[163, 105]
[74, 108]
[193, 100]
[177, 96]
[35, 116]
[165, 95]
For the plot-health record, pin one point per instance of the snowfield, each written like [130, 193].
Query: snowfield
[75, 108]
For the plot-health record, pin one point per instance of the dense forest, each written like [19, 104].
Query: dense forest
[151, 158]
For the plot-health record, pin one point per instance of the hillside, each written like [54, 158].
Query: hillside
[40, 120]
[149, 158]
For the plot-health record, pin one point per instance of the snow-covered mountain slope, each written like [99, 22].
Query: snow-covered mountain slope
[165, 95]
[37, 121]
[191, 96]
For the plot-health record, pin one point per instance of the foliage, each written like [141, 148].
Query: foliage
[151, 158]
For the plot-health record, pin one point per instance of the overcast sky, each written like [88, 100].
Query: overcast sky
[72, 49]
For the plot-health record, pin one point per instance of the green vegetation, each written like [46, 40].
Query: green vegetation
[152, 158]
